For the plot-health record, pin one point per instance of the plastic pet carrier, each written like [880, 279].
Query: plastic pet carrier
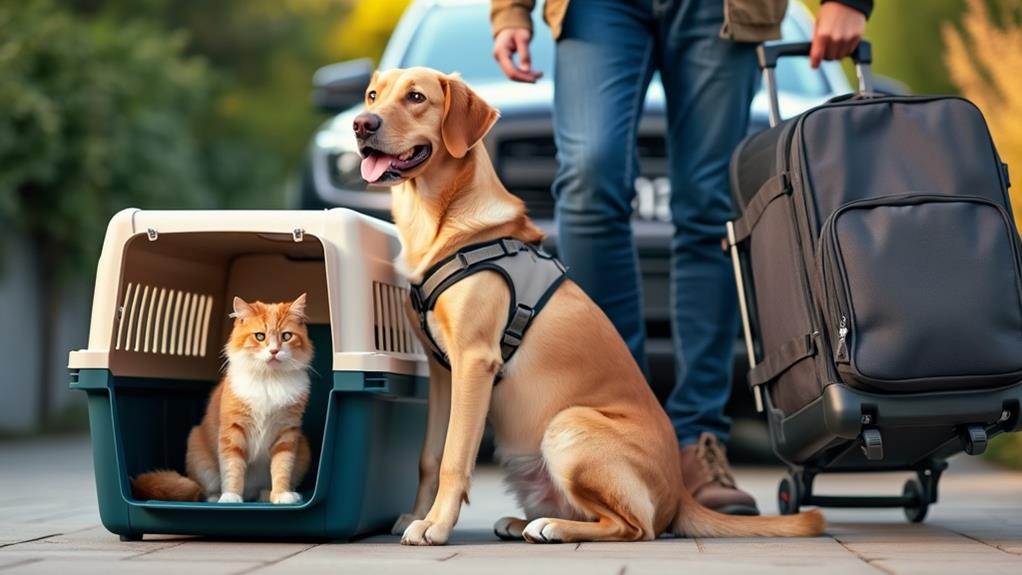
[164, 288]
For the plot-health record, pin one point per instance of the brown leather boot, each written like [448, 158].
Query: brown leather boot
[708, 477]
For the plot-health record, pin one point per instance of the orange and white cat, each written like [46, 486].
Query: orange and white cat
[250, 444]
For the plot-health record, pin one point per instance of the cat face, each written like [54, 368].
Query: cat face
[270, 336]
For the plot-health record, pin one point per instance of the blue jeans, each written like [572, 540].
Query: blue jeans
[606, 56]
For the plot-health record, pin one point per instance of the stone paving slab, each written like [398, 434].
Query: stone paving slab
[49, 524]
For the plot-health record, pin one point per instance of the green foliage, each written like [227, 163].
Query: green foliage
[1006, 450]
[907, 43]
[97, 116]
[263, 54]
[161, 104]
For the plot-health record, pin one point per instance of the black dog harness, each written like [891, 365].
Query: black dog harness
[531, 274]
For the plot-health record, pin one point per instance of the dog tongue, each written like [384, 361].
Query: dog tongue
[374, 165]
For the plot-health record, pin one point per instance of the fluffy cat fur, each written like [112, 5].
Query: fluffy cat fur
[250, 443]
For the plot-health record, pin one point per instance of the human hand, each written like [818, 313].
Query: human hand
[508, 42]
[838, 31]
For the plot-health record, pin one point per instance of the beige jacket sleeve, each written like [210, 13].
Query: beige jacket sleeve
[511, 14]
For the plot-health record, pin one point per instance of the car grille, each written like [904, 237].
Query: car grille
[527, 167]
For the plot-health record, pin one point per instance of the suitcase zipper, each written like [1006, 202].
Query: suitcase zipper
[842, 335]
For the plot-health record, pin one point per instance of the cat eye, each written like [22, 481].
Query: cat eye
[416, 97]
[260, 336]
[286, 336]
[371, 95]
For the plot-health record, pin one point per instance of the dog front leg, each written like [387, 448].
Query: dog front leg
[471, 386]
[432, 447]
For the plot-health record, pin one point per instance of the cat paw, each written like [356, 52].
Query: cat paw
[230, 498]
[213, 498]
[285, 498]
[402, 523]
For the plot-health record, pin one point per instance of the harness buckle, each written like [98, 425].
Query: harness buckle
[416, 297]
[516, 327]
[509, 247]
[511, 340]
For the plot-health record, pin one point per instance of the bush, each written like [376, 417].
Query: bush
[96, 117]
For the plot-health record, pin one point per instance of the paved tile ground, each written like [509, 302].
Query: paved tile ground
[49, 524]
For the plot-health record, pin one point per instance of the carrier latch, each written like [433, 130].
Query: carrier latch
[152, 234]
[298, 234]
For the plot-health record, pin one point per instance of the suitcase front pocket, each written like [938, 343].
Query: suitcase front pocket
[922, 293]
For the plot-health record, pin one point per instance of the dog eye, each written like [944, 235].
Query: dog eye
[286, 336]
[416, 97]
[371, 95]
[260, 336]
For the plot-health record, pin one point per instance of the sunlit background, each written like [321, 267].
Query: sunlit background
[106, 104]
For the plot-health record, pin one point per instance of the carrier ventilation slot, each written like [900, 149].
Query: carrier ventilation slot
[391, 330]
[163, 321]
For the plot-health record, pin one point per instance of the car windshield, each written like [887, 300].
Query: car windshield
[456, 38]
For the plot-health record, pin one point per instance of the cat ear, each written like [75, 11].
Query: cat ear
[297, 308]
[242, 309]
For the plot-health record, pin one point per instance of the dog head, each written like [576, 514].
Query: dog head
[415, 118]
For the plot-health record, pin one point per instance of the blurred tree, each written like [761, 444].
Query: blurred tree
[263, 53]
[907, 42]
[984, 58]
[97, 117]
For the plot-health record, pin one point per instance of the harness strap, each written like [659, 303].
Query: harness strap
[477, 258]
[788, 354]
[438, 274]
[771, 189]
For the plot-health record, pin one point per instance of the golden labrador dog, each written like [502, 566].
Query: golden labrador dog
[587, 449]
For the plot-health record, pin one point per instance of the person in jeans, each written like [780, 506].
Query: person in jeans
[607, 52]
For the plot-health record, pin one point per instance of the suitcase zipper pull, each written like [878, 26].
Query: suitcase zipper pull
[842, 335]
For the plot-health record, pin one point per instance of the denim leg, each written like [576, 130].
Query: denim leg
[604, 62]
[709, 83]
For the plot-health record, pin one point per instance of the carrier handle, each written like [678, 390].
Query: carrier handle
[768, 54]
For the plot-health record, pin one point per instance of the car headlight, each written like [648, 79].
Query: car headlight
[344, 167]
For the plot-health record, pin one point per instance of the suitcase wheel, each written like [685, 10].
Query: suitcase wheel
[872, 444]
[789, 496]
[916, 512]
[974, 439]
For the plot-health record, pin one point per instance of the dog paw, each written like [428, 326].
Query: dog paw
[541, 530]
[508, 528]
[230, 498]
[402, 523]
[285, 498]
[423, 532]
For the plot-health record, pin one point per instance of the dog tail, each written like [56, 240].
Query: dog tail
[165, 486]
[694, 520]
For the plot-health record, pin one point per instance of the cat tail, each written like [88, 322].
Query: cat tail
[165, 486]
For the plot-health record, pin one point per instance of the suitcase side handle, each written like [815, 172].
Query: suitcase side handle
[769, 54]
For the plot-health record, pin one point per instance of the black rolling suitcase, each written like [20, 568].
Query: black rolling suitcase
[878, 270]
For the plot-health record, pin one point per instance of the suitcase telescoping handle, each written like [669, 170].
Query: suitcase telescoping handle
[770, 53]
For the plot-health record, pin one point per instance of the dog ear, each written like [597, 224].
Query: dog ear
[467, 118]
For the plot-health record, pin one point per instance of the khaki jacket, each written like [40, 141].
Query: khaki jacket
[744, 20]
